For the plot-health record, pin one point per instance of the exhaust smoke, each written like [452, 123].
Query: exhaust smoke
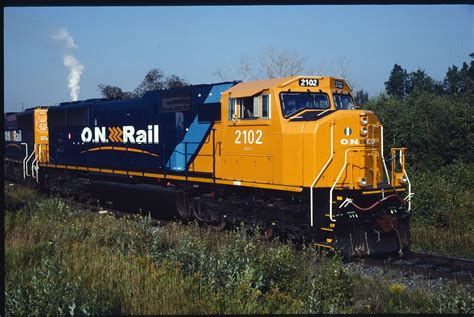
[73, 65]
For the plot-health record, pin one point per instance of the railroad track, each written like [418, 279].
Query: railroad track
[428, 264]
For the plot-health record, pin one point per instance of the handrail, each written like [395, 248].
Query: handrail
[37, 162]
[24, 160]
[28, 159]
[321, 172]
[408, 181]
[381, 153]
[339, 176]
[33, 170]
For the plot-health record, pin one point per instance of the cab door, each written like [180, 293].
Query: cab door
[246, 147]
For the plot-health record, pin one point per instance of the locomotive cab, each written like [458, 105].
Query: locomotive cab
[279, 131]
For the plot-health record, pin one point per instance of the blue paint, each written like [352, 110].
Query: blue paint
[215, 93]
[196, 134]
[185, 150]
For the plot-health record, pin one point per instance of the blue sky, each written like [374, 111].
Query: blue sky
[118, 45]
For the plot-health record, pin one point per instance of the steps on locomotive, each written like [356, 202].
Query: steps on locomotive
[326, 232]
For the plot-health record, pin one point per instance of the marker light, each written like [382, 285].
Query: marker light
[363, 131]
[364, 121]
[363, 181]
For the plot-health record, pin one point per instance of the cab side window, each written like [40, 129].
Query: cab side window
[249, 107]
[265, 106]
[232, 110]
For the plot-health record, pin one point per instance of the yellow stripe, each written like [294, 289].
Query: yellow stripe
[323, 245]
[379, 191]
[14, 145]
[119, 148]
[371, 192]
[329, 240]
[192, 179]
[327, 229]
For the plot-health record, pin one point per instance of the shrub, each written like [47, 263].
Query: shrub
[63, 261]
[48, 291]
[331, 288]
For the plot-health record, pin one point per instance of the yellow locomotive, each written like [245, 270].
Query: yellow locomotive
[291, 155]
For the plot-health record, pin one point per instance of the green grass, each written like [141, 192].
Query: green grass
[63, 261]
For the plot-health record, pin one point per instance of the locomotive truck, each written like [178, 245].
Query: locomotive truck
[292, 155]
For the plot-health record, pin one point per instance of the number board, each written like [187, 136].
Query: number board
[339, 84]
[309, 82]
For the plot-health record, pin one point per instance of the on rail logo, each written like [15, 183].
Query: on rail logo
[125, 134]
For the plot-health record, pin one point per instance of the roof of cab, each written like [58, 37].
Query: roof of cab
[251, 88]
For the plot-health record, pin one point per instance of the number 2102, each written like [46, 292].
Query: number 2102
[248, 136]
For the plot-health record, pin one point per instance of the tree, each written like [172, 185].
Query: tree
[113, 92]
[419, 81]
[361, 97]
[281, 63]
[466, 75]
[397, 83]
[452, 81]
[271, 63]
[459, 82]
[154, 80]
[174, 81]
[244, 70]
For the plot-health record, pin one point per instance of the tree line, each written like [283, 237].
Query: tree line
[433, 119]
[155, 79]
[458, 81]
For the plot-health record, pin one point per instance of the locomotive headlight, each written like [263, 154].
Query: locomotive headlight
[364, 120]
[363, 131]
[403, 179]
[363, 181]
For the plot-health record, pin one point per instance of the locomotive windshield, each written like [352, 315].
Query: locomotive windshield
[343, 102]
[293, 102]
